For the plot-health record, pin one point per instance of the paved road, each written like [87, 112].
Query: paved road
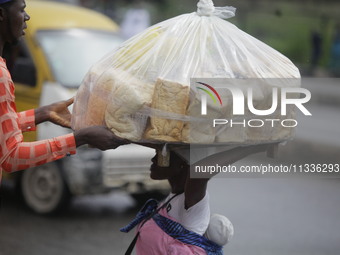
[271, 216]
[89, 227]
[280, 216]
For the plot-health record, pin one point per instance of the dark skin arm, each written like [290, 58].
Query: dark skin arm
[96, 136]
[56, 113]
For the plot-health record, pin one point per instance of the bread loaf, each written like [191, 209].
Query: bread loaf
[129, 96]
[170, 97]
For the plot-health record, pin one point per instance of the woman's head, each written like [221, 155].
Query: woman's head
[177, 169]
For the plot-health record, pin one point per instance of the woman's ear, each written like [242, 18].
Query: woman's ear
[175, 160]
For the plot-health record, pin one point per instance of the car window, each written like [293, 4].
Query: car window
[71, 53]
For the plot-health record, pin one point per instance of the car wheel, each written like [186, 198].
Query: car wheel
[44, 189]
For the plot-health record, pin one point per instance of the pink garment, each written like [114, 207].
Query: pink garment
[153, 240]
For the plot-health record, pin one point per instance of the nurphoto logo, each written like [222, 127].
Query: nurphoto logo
[243, 98]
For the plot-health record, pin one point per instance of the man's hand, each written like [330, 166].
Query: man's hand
[98, 137]
[59, 113]
[56, 113]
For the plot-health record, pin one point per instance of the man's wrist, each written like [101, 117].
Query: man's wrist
[41, 114]
[80, 137]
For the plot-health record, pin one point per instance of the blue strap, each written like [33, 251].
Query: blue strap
[177, 231]
[147, 210]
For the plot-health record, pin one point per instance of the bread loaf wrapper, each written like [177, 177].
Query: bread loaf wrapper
[142, 92]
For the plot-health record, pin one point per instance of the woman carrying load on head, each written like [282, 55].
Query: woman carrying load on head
[179, 224]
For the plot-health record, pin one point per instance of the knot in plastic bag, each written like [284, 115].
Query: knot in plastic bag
[207, 8]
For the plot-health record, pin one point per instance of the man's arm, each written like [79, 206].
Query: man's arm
[56, 113]
[29, 154]
[25, 155]
[26, 120]
[17, 155]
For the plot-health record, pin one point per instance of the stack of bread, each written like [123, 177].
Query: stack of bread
[141, 91]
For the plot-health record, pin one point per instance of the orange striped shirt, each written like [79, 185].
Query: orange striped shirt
[14, 153]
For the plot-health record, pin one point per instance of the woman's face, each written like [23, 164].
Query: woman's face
[177, 167]
[16, 18]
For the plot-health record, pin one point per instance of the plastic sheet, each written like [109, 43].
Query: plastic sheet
[142, 92]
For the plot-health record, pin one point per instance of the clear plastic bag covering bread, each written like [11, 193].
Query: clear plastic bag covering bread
[141, 91]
